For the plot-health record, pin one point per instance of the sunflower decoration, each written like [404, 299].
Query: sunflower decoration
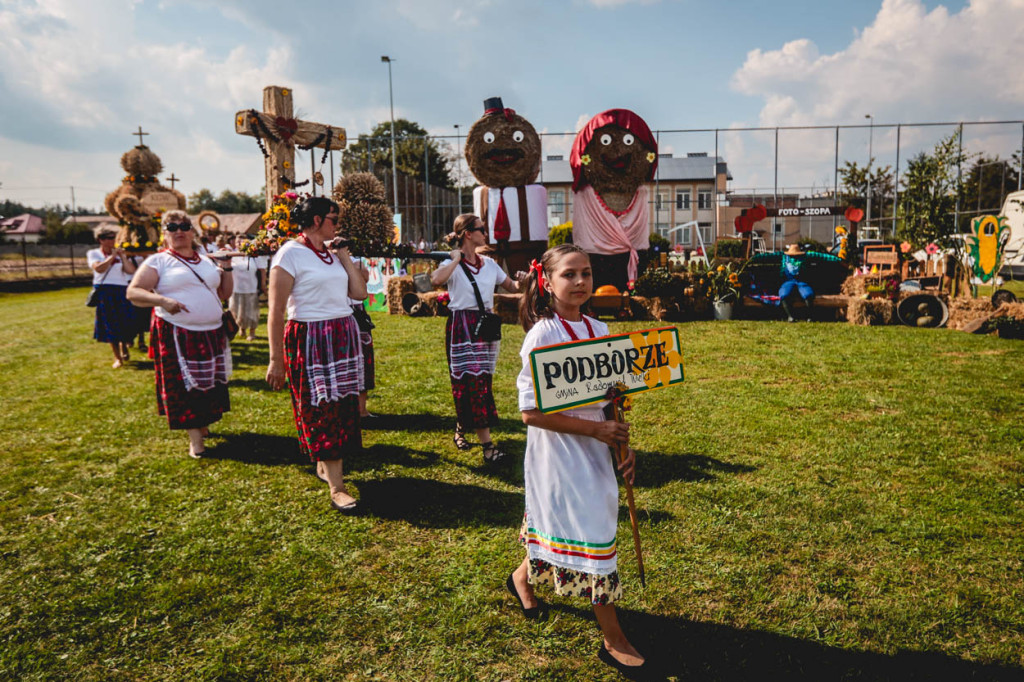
[670, 365]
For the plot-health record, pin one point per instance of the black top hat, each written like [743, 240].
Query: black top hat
[493, 105]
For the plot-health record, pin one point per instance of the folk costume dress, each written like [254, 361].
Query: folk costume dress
[471, 362]
[191, 355]
[323, 355]
[115, 315]
[572, 497]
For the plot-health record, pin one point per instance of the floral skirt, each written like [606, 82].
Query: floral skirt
[330, 429]
[567, 582]
[184, 409]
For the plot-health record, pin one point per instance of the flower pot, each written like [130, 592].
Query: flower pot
[723, 310]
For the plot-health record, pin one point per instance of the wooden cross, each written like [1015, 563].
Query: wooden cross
[279, 133]
[140, 134]
[173, 180]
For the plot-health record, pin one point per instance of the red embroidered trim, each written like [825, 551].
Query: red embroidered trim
[612, 211]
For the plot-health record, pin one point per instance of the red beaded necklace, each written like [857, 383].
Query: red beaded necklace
[473, 267]
[572, 334]
[324, 255]
[194, 260]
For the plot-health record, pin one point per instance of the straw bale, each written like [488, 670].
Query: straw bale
[397, 288]
[870, 311]
[965, 310]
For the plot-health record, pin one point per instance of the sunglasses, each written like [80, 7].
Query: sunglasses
[475, 229]
[174, 227]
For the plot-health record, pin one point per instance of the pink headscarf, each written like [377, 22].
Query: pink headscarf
[624, 118]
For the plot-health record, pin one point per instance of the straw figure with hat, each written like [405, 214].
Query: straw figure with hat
[612, 157]
[792, 282]
[503, 152]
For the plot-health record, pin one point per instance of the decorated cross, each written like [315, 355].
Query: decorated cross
[173, 180]
[140, 134]
[278, 134]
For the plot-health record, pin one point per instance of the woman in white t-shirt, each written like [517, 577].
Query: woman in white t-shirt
[471, 361]
[319, 347]
[191, 355]
[245, 299]
[115, 316]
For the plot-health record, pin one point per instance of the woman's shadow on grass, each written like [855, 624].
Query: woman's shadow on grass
[690, 650]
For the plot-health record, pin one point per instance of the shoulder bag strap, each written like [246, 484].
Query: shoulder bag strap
[200, 278]
[476, 289]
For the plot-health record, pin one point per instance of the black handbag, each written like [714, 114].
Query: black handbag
[488, 327]
[93, 299]
[363, 320]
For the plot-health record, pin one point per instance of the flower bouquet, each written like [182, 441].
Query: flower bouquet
[722, 284]
[277, 227]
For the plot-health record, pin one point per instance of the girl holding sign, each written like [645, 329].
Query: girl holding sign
[572, 498]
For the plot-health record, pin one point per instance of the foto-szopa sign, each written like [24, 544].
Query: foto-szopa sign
[578, 373]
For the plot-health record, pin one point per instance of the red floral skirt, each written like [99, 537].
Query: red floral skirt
[472, 393]
[184, 409]
[331, 429]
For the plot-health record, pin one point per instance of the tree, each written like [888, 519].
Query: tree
[985, 186]
[853, 188]
[373, 153]
[226, 202]
[929, 197]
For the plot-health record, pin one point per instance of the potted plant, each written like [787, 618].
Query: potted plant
[723, 288]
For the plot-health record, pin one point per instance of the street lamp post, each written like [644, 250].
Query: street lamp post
[394, 163]
[458, 165]
[871, 139]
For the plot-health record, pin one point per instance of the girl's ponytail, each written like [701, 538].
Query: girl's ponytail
[534, 303]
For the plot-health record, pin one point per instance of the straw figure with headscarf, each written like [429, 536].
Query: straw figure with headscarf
[503, 152]
[612, 157]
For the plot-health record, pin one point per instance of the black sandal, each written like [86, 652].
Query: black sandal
[492, 454]
[460, 441]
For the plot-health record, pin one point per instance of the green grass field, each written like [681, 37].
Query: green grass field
[817, 502]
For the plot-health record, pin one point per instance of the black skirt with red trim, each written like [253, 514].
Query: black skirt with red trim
[327, 431]
[184, 409]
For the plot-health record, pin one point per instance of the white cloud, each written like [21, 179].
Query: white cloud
[910, 65]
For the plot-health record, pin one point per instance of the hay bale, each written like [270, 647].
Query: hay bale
[870, 311]
[507, 305]
[857, 285]
[397, 288]
[963, 311]
[640, 308]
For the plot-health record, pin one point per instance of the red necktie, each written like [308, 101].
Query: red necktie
[502, 229]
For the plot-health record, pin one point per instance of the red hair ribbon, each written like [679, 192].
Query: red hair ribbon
[539, 269]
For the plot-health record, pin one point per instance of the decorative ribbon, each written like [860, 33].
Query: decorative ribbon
[539, 269]
[509, 113]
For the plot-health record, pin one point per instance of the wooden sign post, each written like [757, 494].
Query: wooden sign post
[579, 373]
[278, 133]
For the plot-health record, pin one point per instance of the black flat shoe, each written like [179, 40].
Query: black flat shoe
[535, 613]
[644, 671]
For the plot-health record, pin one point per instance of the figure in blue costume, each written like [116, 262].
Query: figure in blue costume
[792, 284]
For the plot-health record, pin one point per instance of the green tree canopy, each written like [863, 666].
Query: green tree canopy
[853, 190]
[929, 196]
[226, 202]
[373, 153]
[985, 185]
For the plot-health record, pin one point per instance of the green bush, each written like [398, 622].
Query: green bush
[729, 248]
[560, 234]
[655, 282]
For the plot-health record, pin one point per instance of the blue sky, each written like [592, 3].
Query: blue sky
[77, 77]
